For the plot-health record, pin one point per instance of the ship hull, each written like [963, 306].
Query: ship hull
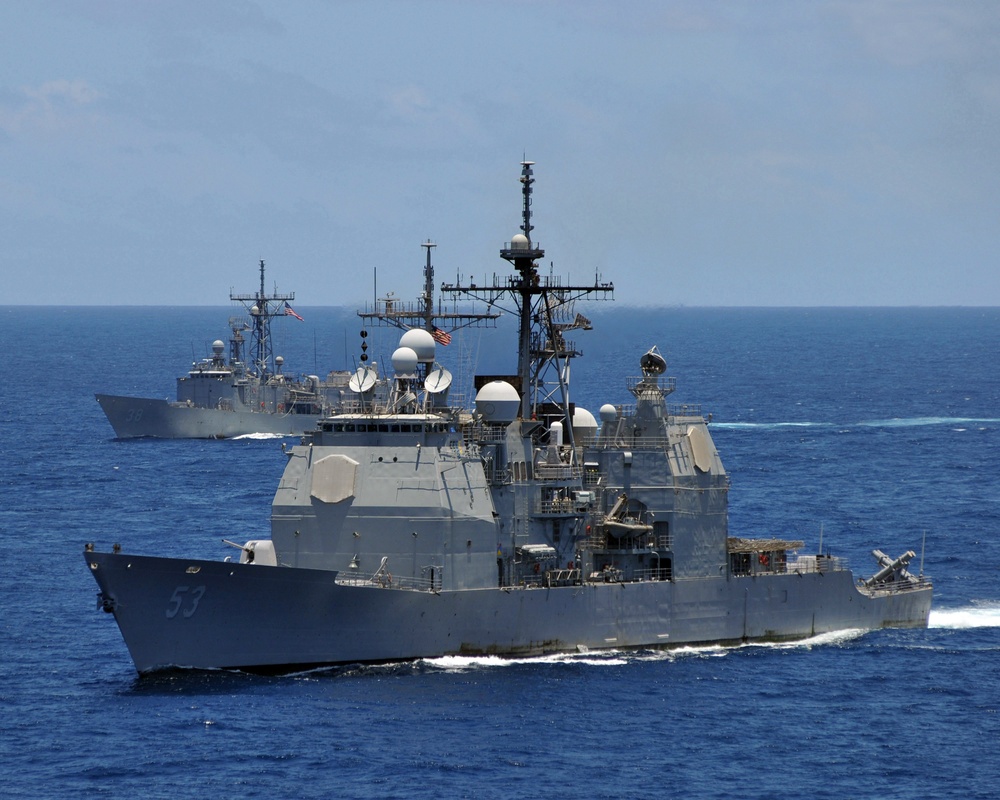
[222, 615]
[135, 417]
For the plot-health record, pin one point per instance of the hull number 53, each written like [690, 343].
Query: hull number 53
[185, 601]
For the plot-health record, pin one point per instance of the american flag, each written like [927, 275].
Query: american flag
[440, 336]
[290, 312]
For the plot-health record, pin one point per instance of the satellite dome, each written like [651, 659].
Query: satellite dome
[498, 401]
[583, 420]
[520, 242]
[420, 342]
[608, 413]
[404, 361]
[218, 346]
[584, 425]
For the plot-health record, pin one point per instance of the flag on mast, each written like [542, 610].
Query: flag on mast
[440, 336]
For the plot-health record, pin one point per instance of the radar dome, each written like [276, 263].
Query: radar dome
[420, 342]
[583, 420]
[608, 413]
[498, 401]
[218, 346]
[520, 242]
[404, 361]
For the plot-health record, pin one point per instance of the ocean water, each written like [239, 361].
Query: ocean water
[868, 427]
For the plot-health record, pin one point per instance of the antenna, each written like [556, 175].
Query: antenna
[392, 311]
[526, 181]
[923, 544]
[428, 296]
[540, 302]
[262, 308]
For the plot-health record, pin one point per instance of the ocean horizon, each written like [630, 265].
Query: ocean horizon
[868, 427]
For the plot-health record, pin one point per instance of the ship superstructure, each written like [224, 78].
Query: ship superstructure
[406, 527]
[245, 392]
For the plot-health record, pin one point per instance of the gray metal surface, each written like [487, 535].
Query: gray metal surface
[242, 392]
[405, 528]
[134, 417]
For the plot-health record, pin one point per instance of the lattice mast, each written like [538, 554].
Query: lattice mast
[262, 308]
[390, 310]
[544, 308]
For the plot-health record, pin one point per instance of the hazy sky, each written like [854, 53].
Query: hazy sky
[704, 153]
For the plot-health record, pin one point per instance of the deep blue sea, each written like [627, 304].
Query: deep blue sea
[878, 427]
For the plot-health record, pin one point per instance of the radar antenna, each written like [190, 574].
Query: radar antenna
[544, 307]
[441, 323]
[262, 308]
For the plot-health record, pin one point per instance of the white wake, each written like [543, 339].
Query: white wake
[979, 615]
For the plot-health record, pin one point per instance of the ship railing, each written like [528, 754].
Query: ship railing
[562, 577]
[560, 507]
[627, 410]
[615, 575]
[685, 410]
[551, 577]
[557, 472]
[804, 564]
[485, 434]
[386, 580]
[350, 405]
[632, 442]
[664, 384]
[661, 574]
[745, 564]
[896, 587]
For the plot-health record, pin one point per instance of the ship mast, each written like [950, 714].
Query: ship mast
[544, 308]
[390, 310]
[262, 308]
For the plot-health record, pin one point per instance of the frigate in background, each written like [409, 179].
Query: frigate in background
[405, 526]
[246, 392]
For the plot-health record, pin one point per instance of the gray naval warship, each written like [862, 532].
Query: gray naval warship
[246, 392]
[407, 527]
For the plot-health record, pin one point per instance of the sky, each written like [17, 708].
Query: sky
[765, 153]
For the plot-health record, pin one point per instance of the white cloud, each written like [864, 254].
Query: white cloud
[53, 106]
